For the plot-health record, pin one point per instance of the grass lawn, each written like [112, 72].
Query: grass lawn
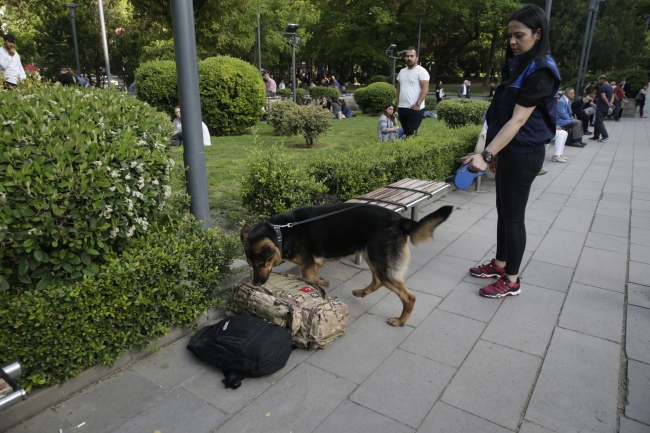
[226, 159]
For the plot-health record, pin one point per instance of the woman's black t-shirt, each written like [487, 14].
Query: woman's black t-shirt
[535, 88]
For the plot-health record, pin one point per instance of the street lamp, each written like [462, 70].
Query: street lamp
[289, 35]
[389, 53]
[419, 33]
[259, 43]
[104, 42]
[71, 10]
[647, 20]
[586, 44]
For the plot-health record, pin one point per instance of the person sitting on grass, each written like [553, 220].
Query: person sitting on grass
[343, 91]
[345, 109]
[387, 129]
[335, 109]
[177, 138]
[325, 103]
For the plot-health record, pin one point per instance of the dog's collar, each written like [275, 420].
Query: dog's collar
[278, 233]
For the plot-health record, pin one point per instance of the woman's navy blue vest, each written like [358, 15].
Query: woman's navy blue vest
[540, 126]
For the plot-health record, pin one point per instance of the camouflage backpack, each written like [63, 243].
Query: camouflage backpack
[313, 318]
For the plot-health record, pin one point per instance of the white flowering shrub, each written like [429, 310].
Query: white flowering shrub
[81, 171]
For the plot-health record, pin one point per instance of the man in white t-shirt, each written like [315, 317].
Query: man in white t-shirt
[10, 66]
[412, 89]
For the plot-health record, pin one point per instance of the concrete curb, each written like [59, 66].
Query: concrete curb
[40, 399]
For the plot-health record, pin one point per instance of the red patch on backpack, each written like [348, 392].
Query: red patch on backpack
[306, 289]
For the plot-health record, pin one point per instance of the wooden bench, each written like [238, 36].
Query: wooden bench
[400, 197]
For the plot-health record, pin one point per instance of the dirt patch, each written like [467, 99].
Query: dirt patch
[303, 145]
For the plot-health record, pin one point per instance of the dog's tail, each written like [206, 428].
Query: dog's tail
[422, 231]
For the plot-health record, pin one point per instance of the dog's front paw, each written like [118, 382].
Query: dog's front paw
[360, 293]
[322, 282]
[395, 321]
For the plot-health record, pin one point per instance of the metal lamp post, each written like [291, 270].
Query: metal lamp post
[104, 42]
[71, 9]
[389, 53]
[586, 45]
[289, 34]
[419, 34]
[259, 39]
[190, 102]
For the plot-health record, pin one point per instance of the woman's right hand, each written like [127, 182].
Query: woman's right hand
[493, 164]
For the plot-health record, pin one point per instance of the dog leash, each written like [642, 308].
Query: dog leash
[289, 225]
[277, 227]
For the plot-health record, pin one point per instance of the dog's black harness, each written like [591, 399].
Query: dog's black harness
[289, 225]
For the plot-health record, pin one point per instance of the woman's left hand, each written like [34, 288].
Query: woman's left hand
[476, 163]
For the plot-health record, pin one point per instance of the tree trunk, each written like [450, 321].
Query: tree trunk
[490, 59]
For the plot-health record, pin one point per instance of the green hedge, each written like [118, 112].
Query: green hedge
[319, 92]
[81, 171]
[372, 99]
[310, 121]
[286, 93]
[157, 84]
[166, 279]
[378, 79]
[275, 184]
[459, 112]
[636, 78]
[232, 92]
[232, 95]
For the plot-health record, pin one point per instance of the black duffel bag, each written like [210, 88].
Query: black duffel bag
[243, 346]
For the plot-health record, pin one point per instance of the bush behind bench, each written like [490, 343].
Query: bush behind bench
[275, 184]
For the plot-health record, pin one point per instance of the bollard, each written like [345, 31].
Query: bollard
[8, 373]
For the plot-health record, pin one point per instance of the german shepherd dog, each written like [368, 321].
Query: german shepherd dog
[380, 234]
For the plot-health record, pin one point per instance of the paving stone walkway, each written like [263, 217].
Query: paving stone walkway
[570, 354]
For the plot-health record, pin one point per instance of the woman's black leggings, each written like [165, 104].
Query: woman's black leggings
[514, 177]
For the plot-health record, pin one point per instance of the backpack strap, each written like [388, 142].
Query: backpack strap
[232, 379]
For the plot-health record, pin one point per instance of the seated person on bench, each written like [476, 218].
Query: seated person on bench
[565, 118]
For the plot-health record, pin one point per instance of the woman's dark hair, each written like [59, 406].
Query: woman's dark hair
[342, 102]
[533, 17]
[386, 107]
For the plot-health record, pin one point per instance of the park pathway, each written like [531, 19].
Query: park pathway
[570, 354]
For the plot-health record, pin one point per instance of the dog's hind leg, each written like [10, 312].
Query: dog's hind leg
[374, 285]
[408, 302]
[310, 273]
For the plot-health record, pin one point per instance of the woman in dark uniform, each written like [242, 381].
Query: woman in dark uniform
[521, 119]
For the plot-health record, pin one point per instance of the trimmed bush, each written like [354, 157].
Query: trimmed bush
[281, 117]
[157, 84]
[285, 93]
[319, 92]
[378, 79]
[270, 187]
[372, 99]
[310, 121]
[274, 184]
[430, 103]
[166, 279]
[376, 165]
[232, 94]
[81, 172]
[459, 112]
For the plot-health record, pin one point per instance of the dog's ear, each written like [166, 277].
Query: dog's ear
[244, 232]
